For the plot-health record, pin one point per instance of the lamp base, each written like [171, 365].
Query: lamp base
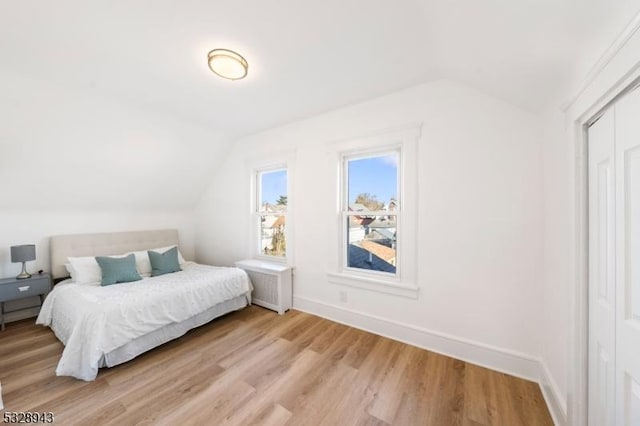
[24, 274]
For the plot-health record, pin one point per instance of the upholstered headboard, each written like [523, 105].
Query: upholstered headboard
[104, 244]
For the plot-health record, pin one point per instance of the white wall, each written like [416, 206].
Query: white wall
[479, 232]
[556, 250]
[72, 162]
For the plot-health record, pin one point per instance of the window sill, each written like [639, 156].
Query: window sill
[262, 265]
[374, 284]
[274, 259]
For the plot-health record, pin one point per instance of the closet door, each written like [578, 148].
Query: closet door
[628, 259]
[602, 300]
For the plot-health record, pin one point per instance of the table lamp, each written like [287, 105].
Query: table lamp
[23, 254]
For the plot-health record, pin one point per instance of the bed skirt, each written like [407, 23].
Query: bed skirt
[172, 331]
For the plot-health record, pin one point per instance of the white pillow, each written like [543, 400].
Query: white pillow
[84, 270]
[70, 270]
[143, 264]
[161, 250]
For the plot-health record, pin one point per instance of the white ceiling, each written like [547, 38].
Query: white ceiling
[305, 57]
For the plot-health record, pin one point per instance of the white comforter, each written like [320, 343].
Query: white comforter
[92, 320]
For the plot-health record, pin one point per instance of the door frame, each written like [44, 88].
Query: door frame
[617, 72]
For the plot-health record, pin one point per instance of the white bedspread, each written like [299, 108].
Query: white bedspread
[92, 320]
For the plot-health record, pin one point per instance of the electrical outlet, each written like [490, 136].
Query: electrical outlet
[343, 296]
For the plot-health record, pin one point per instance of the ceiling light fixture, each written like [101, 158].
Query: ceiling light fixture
[228, 64]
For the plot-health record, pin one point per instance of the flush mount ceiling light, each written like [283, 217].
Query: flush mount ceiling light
[228, 64]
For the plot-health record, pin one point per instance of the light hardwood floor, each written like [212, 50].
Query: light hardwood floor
[255, 367]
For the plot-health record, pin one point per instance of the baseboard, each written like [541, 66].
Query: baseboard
[499, 359]
[555, 402]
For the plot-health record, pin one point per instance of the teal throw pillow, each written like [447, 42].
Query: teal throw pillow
[118, 269]
[164, 263]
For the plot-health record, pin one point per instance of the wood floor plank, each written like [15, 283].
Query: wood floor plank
[26, 339]
[526, 401]
[415, 402]
[390, 390]
[163, 397]
[330, 334]
[101, 415]
[268, 395]
[256, 367]
[274, 415]
[363, 391]
[360, 348]
[480, 397]
[210, 404]
[447, 395]
[320, 394]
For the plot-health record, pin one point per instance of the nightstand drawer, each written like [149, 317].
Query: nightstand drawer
[26, 288]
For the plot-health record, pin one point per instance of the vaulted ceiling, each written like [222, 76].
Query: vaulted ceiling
[304, 57]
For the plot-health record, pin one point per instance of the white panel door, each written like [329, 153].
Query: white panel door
[627, 112]
[602, 300]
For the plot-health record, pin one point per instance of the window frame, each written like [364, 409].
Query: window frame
[257, 215]
[364, 154]
[406, 140]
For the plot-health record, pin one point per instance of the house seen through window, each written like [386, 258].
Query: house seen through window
[371, 212]
[272, 209]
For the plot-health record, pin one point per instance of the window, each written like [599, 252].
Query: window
[370, 208]
[271, 212]
[376, 227]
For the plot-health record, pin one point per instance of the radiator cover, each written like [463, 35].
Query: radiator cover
[272, 284]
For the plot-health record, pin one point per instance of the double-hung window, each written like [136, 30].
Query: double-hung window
[376, 225]
[271, 212]
[370, 212]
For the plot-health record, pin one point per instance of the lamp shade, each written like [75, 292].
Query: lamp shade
[23, 253]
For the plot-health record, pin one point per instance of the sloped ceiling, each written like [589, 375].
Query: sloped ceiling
[93, 87]
[63, 148]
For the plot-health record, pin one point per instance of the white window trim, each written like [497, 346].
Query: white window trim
[404, 282]
[282, 161]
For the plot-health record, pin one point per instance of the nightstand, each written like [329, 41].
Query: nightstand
[14, 289]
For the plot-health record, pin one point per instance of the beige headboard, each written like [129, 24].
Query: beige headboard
[105, 244]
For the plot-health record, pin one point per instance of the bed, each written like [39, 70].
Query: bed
[106, 326]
